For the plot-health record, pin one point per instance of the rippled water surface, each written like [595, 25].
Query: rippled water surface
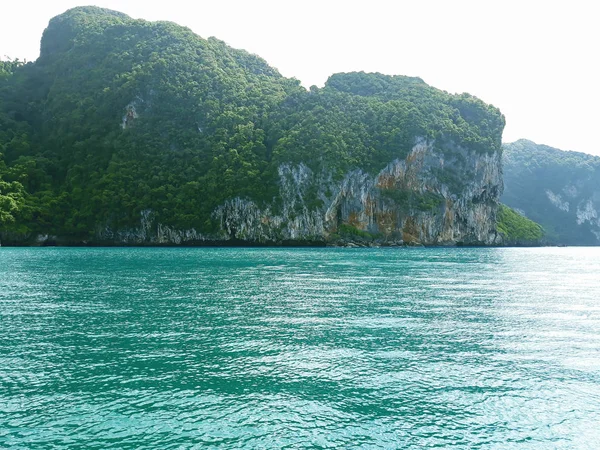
[268, 348]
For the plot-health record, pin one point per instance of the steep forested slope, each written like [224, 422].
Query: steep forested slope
[129, 112]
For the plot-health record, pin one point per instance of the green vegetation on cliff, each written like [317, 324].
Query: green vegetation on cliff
[558, 189]
[367, 120]
[517, 229]
[120, 116]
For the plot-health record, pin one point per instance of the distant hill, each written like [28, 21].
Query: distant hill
[558, 189]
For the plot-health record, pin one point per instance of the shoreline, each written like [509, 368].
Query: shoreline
[225, 244]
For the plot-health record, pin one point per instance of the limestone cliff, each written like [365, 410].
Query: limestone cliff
[409, 202]
[144, 133]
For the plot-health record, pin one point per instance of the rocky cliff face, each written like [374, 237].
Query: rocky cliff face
[411, 201]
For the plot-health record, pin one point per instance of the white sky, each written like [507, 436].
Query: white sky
[538, 61]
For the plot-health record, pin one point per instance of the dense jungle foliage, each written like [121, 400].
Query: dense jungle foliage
[119, 115]
[558, 189]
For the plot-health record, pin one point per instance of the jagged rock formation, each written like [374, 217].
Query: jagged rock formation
[558, 189]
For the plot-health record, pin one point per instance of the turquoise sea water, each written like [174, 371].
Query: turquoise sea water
[300, 348]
